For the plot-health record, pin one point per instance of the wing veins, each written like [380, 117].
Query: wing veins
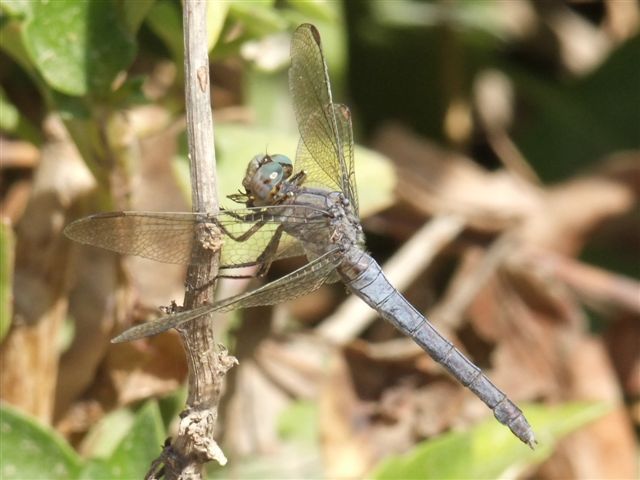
[315, 273]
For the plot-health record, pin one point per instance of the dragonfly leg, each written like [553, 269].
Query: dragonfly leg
[236, 277]
[268, 255]
[246, 235]
[171, 309]
[192, 288]
[263, 261]
[236, 238]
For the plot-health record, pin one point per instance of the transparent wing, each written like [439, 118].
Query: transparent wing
[325, 151]
[297, 283]
[243, 235]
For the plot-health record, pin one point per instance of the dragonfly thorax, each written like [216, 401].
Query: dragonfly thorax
[345, 224]
[264, 178]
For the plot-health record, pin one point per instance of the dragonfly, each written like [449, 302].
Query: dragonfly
[309, 210]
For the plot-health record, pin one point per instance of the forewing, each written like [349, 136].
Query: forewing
[299, 282]
[325, 152]
[169, 237]
[165, 237]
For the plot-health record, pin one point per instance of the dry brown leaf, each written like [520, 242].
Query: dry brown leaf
[434, 180]
[40, 278]
[607, 447]
[145, 368]
[343, 425]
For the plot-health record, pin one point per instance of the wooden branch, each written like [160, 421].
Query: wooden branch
[195, 444]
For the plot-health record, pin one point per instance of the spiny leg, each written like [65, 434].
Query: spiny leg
[264, 260]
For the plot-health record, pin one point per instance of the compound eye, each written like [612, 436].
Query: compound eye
[271, 173]
[285, 162]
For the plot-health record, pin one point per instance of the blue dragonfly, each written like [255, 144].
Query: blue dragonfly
[310, 209]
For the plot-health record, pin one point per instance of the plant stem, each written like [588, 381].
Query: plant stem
[194, 444]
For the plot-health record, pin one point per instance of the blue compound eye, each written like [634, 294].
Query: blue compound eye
[285, 162]
[271, 174]
[264, 177]
[282, 160]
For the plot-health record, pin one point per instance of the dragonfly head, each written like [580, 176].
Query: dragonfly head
[264, 178]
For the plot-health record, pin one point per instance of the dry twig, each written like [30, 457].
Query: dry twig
[195, 444]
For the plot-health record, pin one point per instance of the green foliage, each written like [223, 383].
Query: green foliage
[30, 450]
[7, 245]
[17, 8]
[10, 33]
[9, 114]
[261, 18]
[135, 12]
[105, 436]
[489, 450]
[216, 15]
[315, 11]
[135, 452]
[165, 19]
[62, 46]
[572, 126]
[14, 123]
[67, 42]
[297, 455]
[171, 405]
[122, 446]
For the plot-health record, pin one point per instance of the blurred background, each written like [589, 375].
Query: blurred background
[498, 172]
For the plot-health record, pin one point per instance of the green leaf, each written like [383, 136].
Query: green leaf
[19, 126]
[572, 126]
[216, 15]
[171, 405]
[317, 10]
[7, 254]
[71, 107]
[490, 450]
[9, 115]
[130, 93]
[32, 451]
[134, 454]
[165, 20]
[135, 12]
[12, 44]
[296, 456]
[78, 47]
[16, 8]
[236, 145]
[105, 436]
[258, 18]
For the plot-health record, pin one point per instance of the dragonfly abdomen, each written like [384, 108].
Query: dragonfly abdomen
[364, 277]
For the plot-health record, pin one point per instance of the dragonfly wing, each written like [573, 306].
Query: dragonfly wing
[242, 234]
[323, 177]
[296, 284]
[325, 128]
[343, 120]
[165, 237]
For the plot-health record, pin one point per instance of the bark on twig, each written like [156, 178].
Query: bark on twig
[195, 444]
